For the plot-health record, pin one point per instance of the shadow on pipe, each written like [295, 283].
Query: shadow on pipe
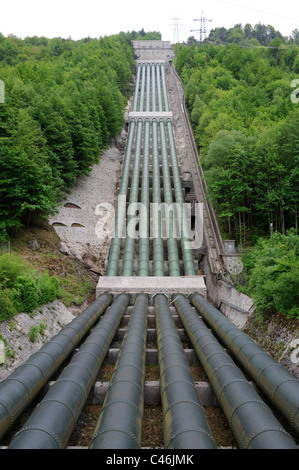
[53, 420]
[281, 387]
[252, 422]
[185, 423]
[21, 387]
[120, 422]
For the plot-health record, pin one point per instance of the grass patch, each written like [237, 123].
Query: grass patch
[38, 265]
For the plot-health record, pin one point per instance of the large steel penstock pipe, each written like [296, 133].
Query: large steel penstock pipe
[53, 420]
[19, 389]
[185, 423]
[252, 422]
[120, 422]
[281, 387]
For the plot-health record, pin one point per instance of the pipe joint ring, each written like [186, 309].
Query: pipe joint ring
[122, 401]
[39, 368]
[12, 416]
[261, 371]
[278, 385]
[200, 430]
[177, 382]
[220, 392]
[253, 435]
[220, 367]
[41, 429]
[236, 407]
[65, 379]
[24, 385]
[108, 429]
[117, 367]
[116, 382]
[186, 367]
[78, 364]
[46, 400]
[190, 402]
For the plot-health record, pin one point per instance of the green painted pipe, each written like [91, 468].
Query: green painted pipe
[19, 388]
[189, 267]
[158, 81]
[120, 216]
[172, 245]
[153, 88]
[252, 422]
[114, 251]
[179, 197]
[53, 420]
[142, 91]
[148, 88]
[185, 423]
[135, 101]
[158, 249]
[143, 260]
[128, 260]
[281, 387]
[164, 86]
[120, 422]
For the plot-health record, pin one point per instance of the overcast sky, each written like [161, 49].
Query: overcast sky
[96, 18]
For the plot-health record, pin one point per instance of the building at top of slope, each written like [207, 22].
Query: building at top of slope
[154, 51]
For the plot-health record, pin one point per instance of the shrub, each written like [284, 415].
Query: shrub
[22, 289]
[11, 267]
[26, 295]
[273, 269]
[33, 333]
[48, 288]
[7, 306]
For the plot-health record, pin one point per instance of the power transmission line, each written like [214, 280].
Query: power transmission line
[259, 11]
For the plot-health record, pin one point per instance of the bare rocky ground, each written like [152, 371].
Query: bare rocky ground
[25, 334]
[85, 218]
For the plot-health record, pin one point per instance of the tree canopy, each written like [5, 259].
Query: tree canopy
[64, 102]
[246, 128]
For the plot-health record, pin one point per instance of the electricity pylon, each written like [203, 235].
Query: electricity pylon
[202, 30]
[176, 29]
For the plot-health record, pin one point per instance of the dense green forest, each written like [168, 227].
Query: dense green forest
[248, 35]
[242, 99]
[64, 102]
[246, 126]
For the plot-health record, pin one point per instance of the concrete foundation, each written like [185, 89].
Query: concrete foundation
[151, 285]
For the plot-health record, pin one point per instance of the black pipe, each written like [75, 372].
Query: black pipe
[185, 423]
[21, 386]
[120, 422]
[252, 422]
[53, 420]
